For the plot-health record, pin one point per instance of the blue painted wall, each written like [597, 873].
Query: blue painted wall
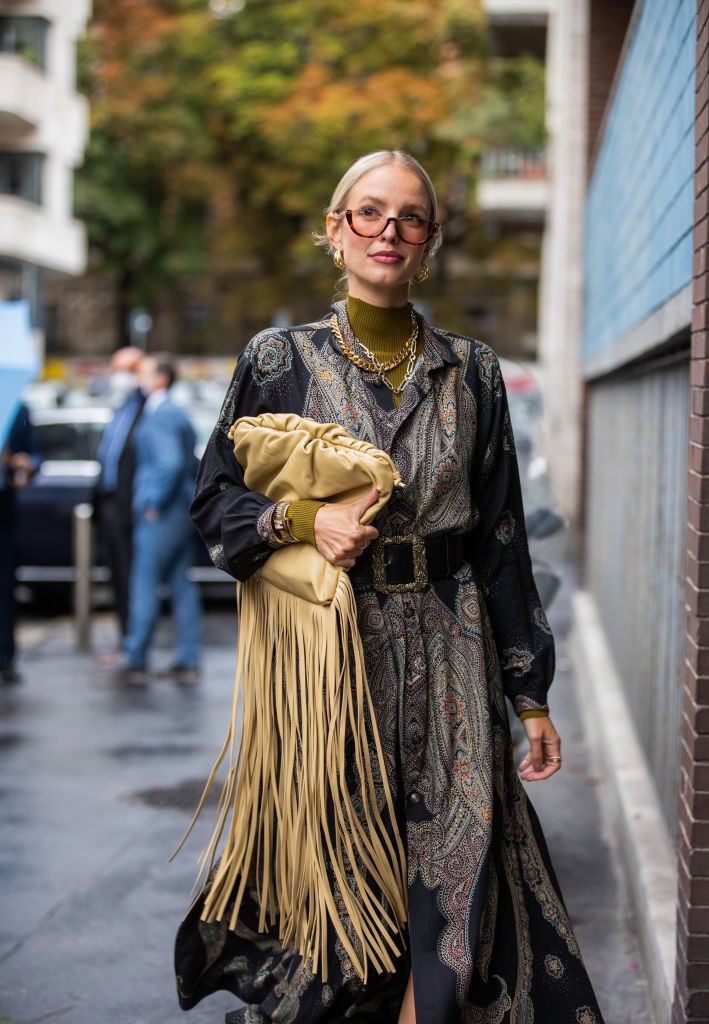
[639, 210]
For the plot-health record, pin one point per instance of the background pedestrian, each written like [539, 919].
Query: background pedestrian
[114, 489]
[20, 459]
[164, 539]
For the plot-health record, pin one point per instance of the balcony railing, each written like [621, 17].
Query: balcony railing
[513, 163]
[513, 185]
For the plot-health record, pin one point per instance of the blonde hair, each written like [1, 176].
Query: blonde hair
[362, 166]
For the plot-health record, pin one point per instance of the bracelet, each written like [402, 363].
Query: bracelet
[288, 526]
[281, 524]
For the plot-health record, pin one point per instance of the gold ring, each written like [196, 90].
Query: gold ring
[553, 759]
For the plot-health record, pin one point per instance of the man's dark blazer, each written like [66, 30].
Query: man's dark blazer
[122, 497]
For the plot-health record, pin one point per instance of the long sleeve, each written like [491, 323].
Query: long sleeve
[500, 552]
[225, 512]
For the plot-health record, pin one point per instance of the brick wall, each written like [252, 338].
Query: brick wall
[608, 24]
[691, 1003]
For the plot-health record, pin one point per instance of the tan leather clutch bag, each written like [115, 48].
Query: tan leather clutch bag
[288, 457]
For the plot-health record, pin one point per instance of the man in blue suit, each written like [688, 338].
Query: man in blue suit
[163, 535]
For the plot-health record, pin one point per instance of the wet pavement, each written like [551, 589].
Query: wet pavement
[97, 785]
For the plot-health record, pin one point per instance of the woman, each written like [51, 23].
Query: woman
[487, 937]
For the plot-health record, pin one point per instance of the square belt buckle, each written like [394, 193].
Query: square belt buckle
[379, 573]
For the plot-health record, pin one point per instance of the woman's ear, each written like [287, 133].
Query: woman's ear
[333, 225]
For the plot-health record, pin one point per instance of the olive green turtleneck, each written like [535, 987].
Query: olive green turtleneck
[384, 331]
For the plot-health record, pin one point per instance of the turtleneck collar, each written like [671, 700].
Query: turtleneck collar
[382, 329]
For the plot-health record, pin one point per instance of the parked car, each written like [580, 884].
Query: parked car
[68, 439]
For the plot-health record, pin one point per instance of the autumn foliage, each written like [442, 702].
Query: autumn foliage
[220, 129]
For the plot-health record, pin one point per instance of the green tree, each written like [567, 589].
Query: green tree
[512, 111]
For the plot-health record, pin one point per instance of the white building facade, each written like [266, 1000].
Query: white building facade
[43, 131]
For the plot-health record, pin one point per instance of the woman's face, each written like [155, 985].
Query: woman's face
[379, 269]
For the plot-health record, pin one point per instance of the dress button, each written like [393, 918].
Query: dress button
[409, 612]
[415, 797]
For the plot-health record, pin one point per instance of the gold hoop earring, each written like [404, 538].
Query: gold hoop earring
[422, 273]
[339, 259]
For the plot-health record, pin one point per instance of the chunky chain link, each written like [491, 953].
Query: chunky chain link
[371, 364]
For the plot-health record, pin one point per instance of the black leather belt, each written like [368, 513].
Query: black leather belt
[399, 564]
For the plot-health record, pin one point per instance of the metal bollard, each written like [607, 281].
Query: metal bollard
[83, 560]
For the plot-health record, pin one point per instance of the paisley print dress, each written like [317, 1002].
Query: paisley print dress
[488, 938]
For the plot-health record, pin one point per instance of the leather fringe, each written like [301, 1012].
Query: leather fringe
[291, 823]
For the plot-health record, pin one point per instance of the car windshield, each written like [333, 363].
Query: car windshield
[62, 441]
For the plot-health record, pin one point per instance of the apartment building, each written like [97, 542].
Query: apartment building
[43, 130]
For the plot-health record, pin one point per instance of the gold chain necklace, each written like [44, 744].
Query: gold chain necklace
[371, 364]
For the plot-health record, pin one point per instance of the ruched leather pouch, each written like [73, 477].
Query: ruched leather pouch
[288, 457]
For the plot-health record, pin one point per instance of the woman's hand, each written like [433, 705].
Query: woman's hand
[339, 535]
[544, 757]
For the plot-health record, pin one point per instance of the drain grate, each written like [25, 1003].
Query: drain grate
[183, 797]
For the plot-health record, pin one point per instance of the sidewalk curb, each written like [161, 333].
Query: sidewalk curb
[644, 845]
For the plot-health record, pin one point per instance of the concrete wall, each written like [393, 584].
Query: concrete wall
[561, 285]
[635, 550]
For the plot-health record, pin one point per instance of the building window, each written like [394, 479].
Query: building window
[27, 37]
[22, 281]
[21, 175]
